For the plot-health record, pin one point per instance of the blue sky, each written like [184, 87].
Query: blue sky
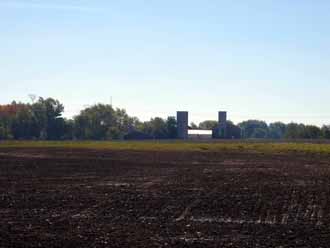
[257, 59]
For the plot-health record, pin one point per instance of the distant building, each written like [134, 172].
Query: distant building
[182, 124]
[199, 134]
[184, 132]
[222, 124]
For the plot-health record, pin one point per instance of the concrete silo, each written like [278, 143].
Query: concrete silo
[182, 124]
[222, 124]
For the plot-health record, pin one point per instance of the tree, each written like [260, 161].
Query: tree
[43, 120]
[101, 122]
[5, 133]
[233, 131]
[254, 129]
[68, 129]
[97, 122]
[193, 125]
[24, 126]
[171, 126]
[55, 123]
[56, 130]
[312, 132]
[137, 135]
[9, 117]
[5, 128]
[156, 128]
[47, 118]
[259, 133]
[276, 130]
[208, 125]
[325, 131]
[294, 131]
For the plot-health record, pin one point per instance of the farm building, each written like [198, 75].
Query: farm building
[185, 133]
[199, 134]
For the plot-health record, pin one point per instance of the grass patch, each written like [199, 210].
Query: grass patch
[226, 146]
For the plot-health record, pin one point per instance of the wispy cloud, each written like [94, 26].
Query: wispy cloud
[51, 6]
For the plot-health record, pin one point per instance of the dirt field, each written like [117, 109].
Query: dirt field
[84, 198]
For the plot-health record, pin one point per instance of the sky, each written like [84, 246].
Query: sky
[256, 59]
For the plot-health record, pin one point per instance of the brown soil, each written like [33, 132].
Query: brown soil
[80, 198]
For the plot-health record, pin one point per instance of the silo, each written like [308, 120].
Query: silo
[182, 124]
[222, 124]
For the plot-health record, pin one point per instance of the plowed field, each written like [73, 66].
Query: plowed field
[56, 197]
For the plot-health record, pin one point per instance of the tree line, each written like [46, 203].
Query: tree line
[42, 120]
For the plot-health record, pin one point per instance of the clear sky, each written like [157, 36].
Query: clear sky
[257, 59]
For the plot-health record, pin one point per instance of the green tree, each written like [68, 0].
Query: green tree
[96, 123]
[24, 126]
[325, 131]
[156, 128]
[295, 131]
[68, 129]
[254, 129]
[208, 125]
[5, 133]
[233, 131]
[47, 118]
[276, 130]
[101, 122]
[193, 125]
[259, 133]
[5, 127]
[312, 132]
[171, 128]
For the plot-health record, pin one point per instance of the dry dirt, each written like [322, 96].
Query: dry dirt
[86, 198]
